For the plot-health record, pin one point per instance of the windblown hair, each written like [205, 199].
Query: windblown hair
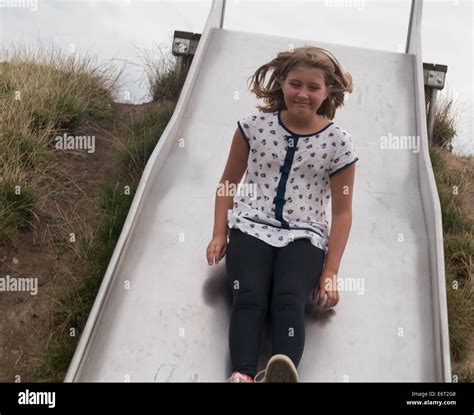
[337, 80]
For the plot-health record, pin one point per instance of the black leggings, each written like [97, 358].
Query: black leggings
[262, 277]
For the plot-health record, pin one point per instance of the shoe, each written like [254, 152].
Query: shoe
[280, 369]
[237, 377]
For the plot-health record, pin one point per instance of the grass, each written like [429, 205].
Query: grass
[448, 112]
[453, 189]
[74, 304]
[138, 148]
[164, 79]
[43, 92]
[17, 201]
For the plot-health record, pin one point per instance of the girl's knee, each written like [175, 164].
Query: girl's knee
[286, 301]
[250, 300]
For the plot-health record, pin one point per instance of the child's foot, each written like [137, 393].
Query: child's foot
[280, 369]
[237, 377]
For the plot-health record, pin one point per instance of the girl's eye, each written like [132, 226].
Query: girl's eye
[313, 88]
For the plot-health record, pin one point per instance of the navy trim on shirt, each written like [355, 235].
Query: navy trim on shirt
[300, 135]
[279, 199]
[343, 167]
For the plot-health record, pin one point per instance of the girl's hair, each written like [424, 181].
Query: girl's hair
[336, 79]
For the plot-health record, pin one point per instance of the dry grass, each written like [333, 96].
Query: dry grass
[43, 93]
[164, 79]
[454, 179]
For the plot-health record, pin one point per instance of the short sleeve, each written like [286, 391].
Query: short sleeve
[345, 155]
[247, 125]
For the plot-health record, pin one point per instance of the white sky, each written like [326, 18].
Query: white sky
[123, 29]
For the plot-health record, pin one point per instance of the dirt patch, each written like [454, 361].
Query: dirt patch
[45, 253]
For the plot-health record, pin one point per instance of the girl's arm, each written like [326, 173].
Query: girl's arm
[233, 172]
[341, 199]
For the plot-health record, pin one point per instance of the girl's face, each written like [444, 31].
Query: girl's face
[304, 91]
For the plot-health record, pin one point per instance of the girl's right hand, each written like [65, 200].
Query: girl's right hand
[216, 248]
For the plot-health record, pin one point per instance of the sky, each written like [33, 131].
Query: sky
[124, 31]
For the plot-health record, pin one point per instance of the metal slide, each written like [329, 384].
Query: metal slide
[162, 313]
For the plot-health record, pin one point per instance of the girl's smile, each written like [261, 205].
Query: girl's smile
[304, 90]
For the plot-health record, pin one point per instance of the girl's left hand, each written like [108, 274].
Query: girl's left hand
[327, 285]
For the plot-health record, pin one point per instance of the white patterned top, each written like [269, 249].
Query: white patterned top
[286, 188]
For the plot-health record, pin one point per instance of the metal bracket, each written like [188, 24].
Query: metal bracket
[434, 75]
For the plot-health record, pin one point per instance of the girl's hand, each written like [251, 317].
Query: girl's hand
[216, 248]
[327, 285]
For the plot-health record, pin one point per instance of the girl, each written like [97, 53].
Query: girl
[279, 249]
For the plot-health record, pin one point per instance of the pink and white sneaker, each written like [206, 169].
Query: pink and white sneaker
[237, 377]
[280, 369]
